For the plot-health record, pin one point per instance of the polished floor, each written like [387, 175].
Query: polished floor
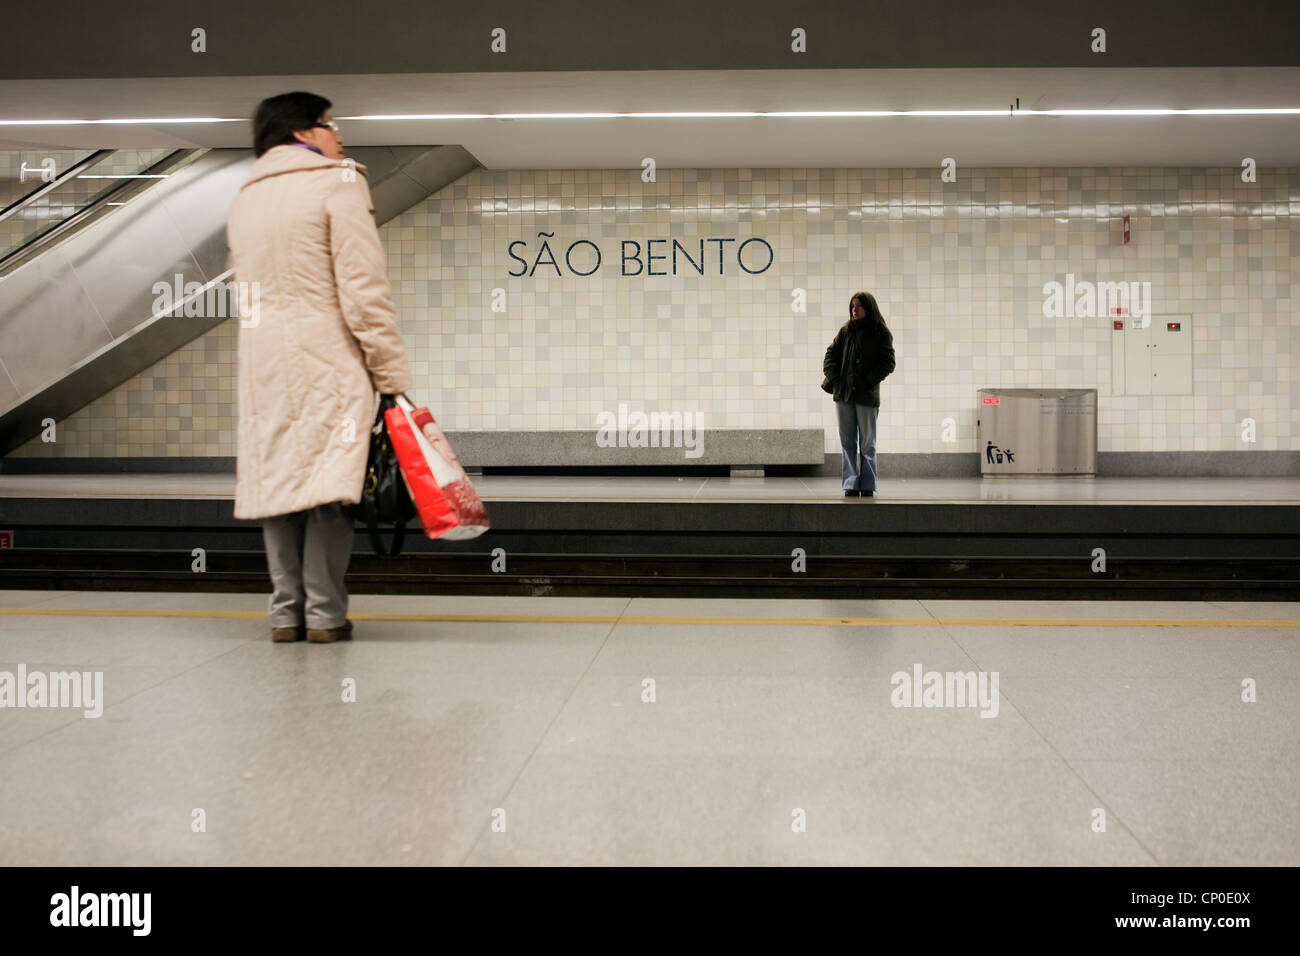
[1050, 490]
[491, 731]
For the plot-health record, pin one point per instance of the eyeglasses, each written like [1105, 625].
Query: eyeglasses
[329, 124]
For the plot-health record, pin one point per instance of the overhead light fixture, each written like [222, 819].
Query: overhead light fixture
[827, 114]
[687, 114]
[118, 122]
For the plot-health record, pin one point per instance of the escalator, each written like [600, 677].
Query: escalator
[81, 253]
[60, 202]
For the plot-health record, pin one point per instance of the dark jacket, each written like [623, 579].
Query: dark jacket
[859, 359]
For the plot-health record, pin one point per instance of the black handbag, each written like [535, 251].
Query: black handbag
[384, 496]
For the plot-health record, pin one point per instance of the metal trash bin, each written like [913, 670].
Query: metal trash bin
[1036, 431]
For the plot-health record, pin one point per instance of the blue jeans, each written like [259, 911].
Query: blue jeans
[858, 430]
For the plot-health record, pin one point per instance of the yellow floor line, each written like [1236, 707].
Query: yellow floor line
[692, 619]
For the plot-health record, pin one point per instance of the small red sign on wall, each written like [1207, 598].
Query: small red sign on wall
[992, 401]
[6, 539]
[1119, 325]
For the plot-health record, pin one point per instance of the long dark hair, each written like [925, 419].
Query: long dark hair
[873, 316]
[279, 117]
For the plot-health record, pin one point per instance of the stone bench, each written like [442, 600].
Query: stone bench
[744, 450]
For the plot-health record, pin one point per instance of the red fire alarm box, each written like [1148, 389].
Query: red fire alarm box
[1118, 325]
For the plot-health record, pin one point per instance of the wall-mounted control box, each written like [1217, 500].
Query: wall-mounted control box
[1151, 355]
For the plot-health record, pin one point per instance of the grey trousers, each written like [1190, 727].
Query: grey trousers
[307, 553]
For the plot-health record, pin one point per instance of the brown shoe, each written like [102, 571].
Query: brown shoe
[286, 635]
[330, 635]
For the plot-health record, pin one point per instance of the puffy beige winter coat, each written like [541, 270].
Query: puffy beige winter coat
[318, 335]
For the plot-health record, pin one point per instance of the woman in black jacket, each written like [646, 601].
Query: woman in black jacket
[859, 359]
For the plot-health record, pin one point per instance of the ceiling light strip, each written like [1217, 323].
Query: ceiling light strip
[734, 114]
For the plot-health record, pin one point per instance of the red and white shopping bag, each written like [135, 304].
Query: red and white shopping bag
[448, 505]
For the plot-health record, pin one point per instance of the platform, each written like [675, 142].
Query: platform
[1157, 539]
[537, 706]
[1155, 491]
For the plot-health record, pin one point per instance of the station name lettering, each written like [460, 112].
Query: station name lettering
[649, 257]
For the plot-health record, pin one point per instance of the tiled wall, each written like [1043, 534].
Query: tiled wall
[958, 269]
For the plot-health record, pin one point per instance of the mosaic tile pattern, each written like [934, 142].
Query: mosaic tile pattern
[958, 269]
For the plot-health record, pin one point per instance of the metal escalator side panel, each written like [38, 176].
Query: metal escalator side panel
[48, 321]
[78, 319]
[71, 333]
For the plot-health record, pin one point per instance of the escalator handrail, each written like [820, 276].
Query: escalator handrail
[54, 183]
[41, 238]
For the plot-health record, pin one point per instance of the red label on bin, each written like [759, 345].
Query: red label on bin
[992, 401]
[6, 539]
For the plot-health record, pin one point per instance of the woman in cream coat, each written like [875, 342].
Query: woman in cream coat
[318, 338]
